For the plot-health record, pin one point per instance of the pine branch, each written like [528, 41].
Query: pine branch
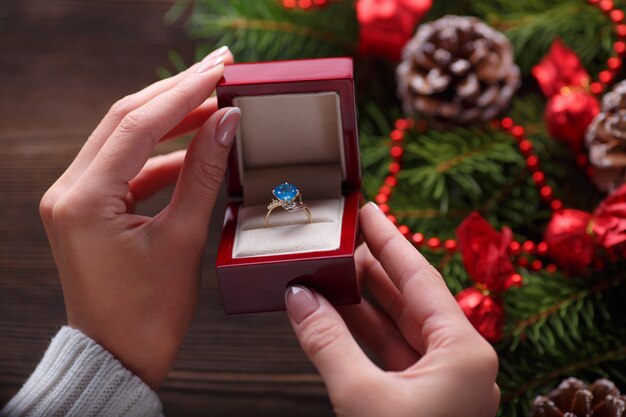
[533, 25]
[557, 307]
[264, 30]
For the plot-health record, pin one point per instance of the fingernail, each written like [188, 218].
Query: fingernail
[210, 63]
[218, 52]
[226, 128]
[300, 302]
[375, 205]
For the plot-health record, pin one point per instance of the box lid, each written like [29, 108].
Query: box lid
[308, 77]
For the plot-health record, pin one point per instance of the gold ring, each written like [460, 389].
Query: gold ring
[286, 195]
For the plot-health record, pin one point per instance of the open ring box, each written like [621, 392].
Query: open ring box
[298, 125]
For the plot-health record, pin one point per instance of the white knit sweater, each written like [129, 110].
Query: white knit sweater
[78, 377]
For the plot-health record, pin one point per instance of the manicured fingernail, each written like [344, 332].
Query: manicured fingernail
[375, 205]
[300, 302]
[218, 52]
[227, 127]
[210, 63]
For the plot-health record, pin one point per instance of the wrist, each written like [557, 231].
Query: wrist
[148, 356]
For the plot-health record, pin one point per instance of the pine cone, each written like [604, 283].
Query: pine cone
[574, 398]
[457, 69]
[606, 140]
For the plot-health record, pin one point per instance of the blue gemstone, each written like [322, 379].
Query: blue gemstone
[286, 192]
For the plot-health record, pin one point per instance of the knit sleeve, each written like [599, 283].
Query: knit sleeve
[78, 377]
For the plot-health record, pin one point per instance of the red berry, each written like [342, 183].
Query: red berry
[551, 268]
[396, 151]
[518, 132]
[385, 190]
[418, 239]
[528, 246]
[434, 243]
[402, 124]
[619, 47]
[546, 192]
[404, 229]
[515, 247]
[450, 245]
[616, 15]
[506, 123]
[396, 135]
[289, 4]
[532, 162]
[620, 30]
[536, 265]
[614, 62]
[525, 147]
[391, 181]
[394, 168]
[384, 208]
[542, 248]
[305, 4]
[539, 177]
[516, 279]
[596, 87]
[392, 218]
[556, 205]
[381, 198]
[605, 5]
[605, 76]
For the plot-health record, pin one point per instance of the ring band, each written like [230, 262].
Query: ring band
[286, 195]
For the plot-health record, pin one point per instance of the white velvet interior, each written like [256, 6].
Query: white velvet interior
[288, 232]
[295, 138]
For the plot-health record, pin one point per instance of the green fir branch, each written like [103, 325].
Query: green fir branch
[264, 30]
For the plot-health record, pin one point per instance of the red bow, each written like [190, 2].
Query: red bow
[486, 259]
[574, 236]
[570, 107]
[560, 68]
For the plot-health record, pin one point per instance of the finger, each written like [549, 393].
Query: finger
[495, 400]
[194, 120]
[326, 340]
[202, 172]
[159, 172]
[426, 295]
[129, 103]
[375, 279]
[380, 335]
[129, 147]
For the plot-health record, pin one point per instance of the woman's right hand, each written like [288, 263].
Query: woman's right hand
[433, 361]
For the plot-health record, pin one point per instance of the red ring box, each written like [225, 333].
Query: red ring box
[298, 125]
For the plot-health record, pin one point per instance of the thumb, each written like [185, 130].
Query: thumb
[202, 172]
[326, 340]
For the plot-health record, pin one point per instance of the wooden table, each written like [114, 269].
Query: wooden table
[62, 64]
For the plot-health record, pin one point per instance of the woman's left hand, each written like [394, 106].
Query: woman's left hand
[131, 282]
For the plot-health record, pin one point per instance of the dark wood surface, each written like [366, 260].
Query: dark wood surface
[62, 64]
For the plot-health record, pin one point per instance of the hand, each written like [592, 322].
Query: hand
[131, 282]
[435, 363]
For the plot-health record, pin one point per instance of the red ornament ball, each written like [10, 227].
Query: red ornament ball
[569, 113]
[485, 313]
[570, 241]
